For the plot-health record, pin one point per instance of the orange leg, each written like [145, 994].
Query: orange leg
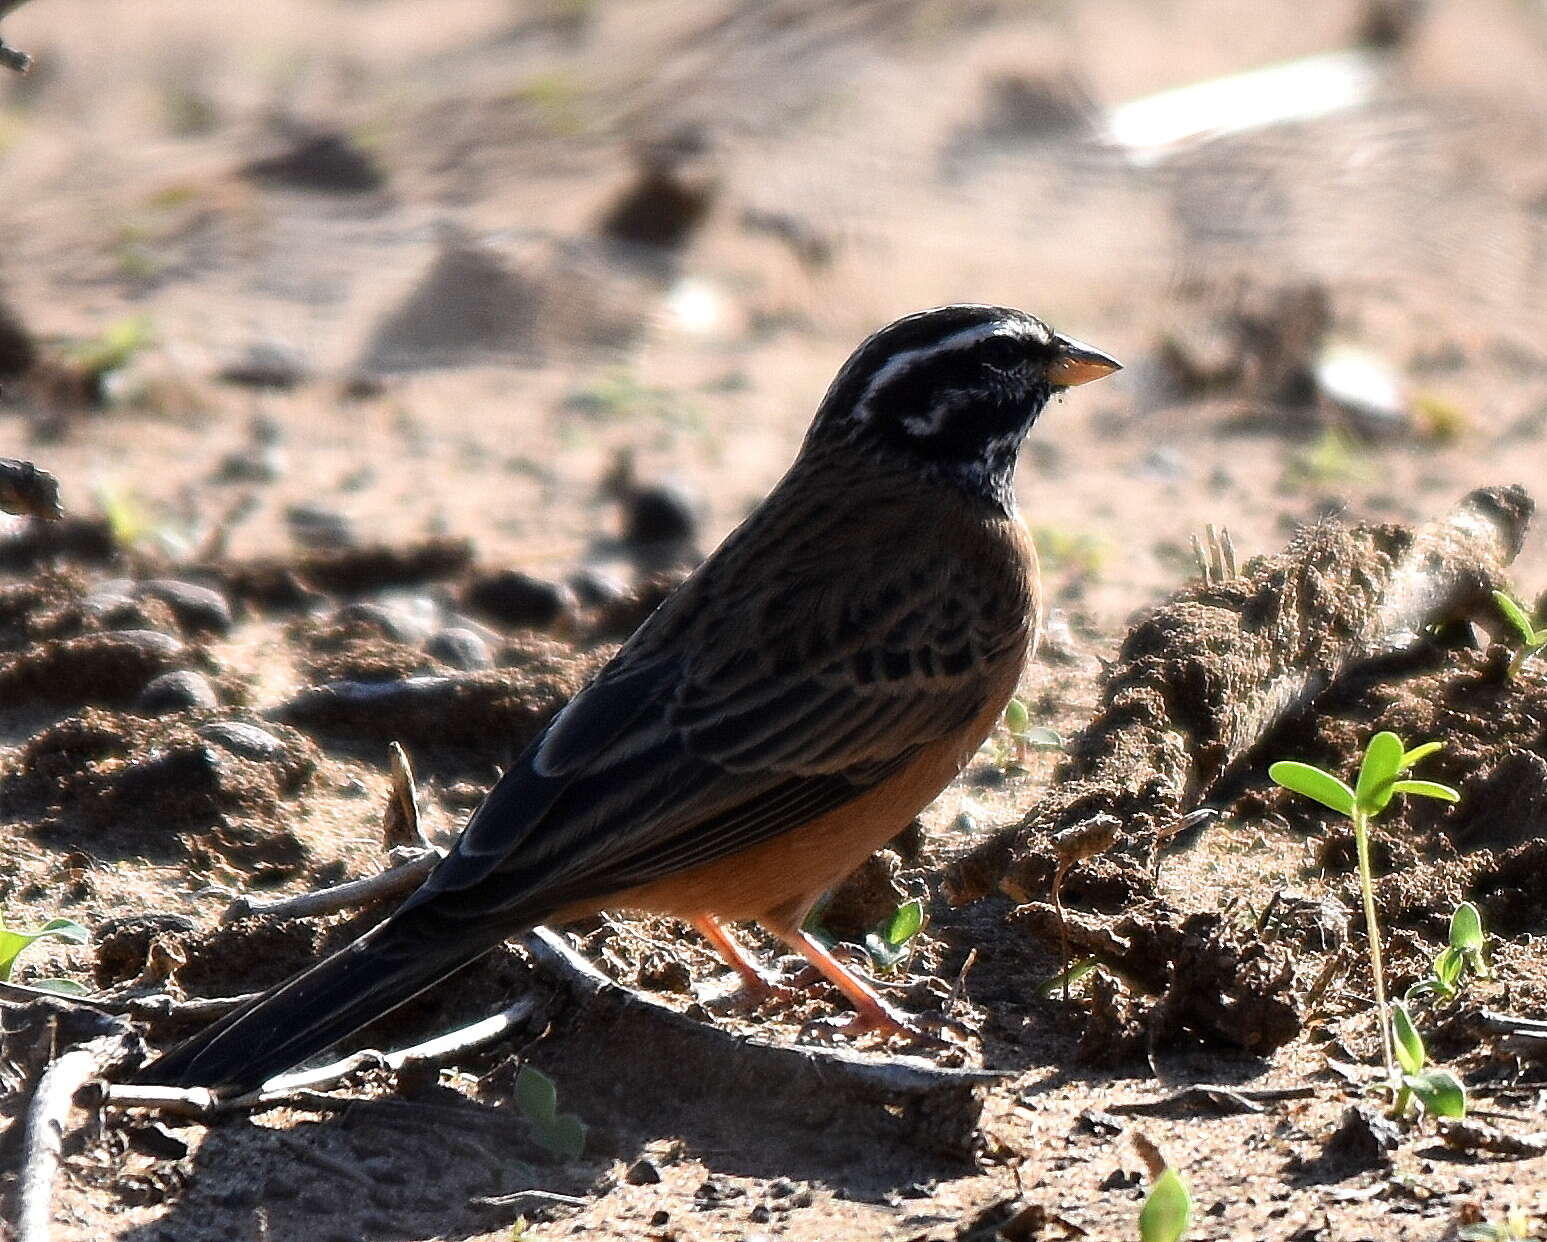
[755, 984]
[871, 1013]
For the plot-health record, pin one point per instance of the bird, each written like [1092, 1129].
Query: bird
[810, 688]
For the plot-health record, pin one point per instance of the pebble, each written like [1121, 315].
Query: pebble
[460, 649]
[660, 513]
[176, 692]
[198, 609]
[642, 1173]
[518, 599]
[393, 623]
[267, 364]
[247, 741]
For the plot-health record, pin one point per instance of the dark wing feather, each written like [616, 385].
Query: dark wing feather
[734, 716]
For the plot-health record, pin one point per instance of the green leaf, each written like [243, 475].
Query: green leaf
[1439, 1091]
[1016, 717]
[1167, 1211]
[13, 942]
[65, 987]
[1425, 789]
[1042, 738]
[1409, 1044]
[1447, 970]
[1516, 616]
[1382, 761]
[1419, 752]
[907, 919]
[1311, 782]
[536, 1096]
[1466, 929]
[1066, 978]
[564, 1137]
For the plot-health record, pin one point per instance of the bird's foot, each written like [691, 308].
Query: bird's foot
[927, 1030]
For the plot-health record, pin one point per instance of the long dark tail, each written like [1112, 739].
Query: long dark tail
[389, 965]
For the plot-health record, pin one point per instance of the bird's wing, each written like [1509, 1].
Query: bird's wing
[733, 716]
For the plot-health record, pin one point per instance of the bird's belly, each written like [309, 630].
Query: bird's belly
[790, 871]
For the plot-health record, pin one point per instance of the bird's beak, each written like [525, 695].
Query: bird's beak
[1077, 363]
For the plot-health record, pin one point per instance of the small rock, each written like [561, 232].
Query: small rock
[176, 692]
[327, 163]
[514, 598]
[660, 513]
[390, 622]
[246, 741]
[594, 587]
[198, 609]
[1364, 1140]
[460, 648]
[268, 364]
[312, 526]
[257, 464]
[660, 1218]
[642, 1173]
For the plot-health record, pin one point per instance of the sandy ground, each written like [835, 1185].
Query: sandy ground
[471, 352]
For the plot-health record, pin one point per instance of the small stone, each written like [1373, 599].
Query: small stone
[246, 741]
[313, 526]
[390, 622]
[760, 1215]
[198, 609]
[322, 162]
[660, 513]
[1365, 1139]
[659, 1219]
[267, 364]
[460, 649]
[176, 692]
[258, 464]
[594, 587]
[514, 598]
[642, 1173]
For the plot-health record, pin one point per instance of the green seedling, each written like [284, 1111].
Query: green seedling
[888, 944]
[1515, 1227]
[1023, 738]
[1439, 1091]
[119, 342]
[1462, 956]
[1065, 980]
[13, 943]
[1379, 780]
[538, 1099]
[1168, 1209]
[1533, 638]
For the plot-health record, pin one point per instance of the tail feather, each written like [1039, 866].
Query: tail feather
[385, 968]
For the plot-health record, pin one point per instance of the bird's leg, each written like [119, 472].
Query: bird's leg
[756, 985]
[871, 1013]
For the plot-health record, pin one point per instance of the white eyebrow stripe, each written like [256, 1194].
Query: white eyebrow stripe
[957, 340]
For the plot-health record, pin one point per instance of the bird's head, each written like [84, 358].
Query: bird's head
[954, 390]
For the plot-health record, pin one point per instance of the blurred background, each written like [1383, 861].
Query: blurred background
[483, 267]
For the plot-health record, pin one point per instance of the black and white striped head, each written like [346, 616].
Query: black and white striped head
[955, 389]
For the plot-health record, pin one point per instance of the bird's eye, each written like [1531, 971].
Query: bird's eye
[1003, 353]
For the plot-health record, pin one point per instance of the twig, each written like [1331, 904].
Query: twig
[10, 57]
[47, 1118]
[674, 1057]
[389, 883]
[520, 1196]
[157, 1006]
